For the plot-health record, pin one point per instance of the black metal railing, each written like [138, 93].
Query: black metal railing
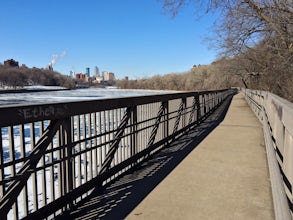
[53, 155]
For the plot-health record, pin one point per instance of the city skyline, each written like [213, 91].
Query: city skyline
[90, 72]
[130, 39]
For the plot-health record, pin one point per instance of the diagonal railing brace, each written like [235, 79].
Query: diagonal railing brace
[156, 126]
[192, 111]
[116, 141]
[180, 110]
[30, 165]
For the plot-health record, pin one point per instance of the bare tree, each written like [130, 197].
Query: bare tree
[242, 24]
[257, 35]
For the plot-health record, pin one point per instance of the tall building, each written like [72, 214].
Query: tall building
[71, 73]
[108, 76]
[97, 72]
[87, 72]
[82, 77]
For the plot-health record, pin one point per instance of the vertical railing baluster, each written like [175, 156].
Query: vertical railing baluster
[117, 119]
[79, 167]
[63, 163]
[90, 159]
[198, 108]
[133, 130]
[34, 175]
[23, 155]
[112, 114]
[204, 104]
[2, 173]
[104, 139]
[85, 174]
[100, 142]
[72, 130]
[59, 168]
[43, 171]
[69, 163]
[141, 118]
[123, 143]
[161, 126]
[2, 170]
[52, 172]
[166, 120]
[95, 161]
[108, 130]
[183, 113]
[12, 167]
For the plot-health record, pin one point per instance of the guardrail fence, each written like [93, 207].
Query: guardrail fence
[276, 115]
[53, 155]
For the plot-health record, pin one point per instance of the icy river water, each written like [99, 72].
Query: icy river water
[70, 95]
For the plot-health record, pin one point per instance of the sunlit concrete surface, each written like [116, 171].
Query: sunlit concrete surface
[224, 177]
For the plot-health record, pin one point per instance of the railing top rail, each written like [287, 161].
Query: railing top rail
[276, 100]
[26, 113]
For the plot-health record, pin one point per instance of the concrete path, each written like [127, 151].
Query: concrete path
[224, 177]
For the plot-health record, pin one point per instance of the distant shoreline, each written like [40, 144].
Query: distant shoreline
[4, 91]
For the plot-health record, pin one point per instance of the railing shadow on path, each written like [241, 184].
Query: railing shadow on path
[118, 198]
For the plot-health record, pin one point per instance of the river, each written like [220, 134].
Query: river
[70, 95]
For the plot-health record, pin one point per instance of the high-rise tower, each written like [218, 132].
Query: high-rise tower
[71, 73]
[87, 72]
[97, 72]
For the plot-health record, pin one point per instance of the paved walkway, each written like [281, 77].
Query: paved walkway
[224, 177]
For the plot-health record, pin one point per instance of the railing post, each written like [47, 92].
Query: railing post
[204, 104]
[198, 110]
[68, 154]
[166, 120]
[2, 176]
[214, 100]
[184, 112]
[133, 131]
[192, 112]
[67, 166]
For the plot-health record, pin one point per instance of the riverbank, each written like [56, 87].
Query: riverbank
[29, 89]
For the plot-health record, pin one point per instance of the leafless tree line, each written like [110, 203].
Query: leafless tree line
[17, 77]
[203, 77]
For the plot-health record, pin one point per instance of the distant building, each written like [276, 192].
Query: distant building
[11, 63]
[87, 72]
[71, 73]
[97, 79]
[97, 72]
[82, 77]
[79, 76]
[108, 76]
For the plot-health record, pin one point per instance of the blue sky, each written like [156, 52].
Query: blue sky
[133, 38]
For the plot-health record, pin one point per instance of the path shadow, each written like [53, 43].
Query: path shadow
[117, 199]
